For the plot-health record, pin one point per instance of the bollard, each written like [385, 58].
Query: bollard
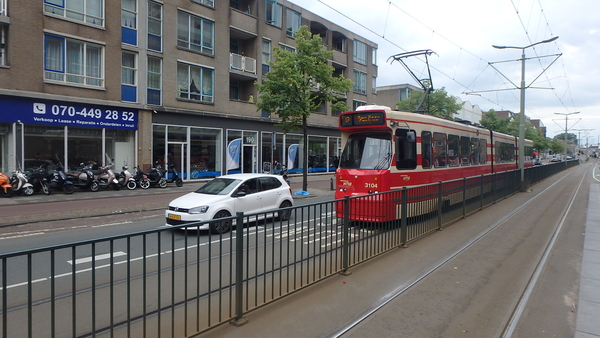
[331, 185]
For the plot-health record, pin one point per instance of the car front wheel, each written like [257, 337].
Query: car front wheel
[284, 215]
[221, 227]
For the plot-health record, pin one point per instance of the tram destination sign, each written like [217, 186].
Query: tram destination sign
[58, 113]
[364, 118]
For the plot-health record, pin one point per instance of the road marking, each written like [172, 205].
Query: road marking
[97, 258]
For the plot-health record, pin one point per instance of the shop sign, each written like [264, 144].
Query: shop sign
[57, 113]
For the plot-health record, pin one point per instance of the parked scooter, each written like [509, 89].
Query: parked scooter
[60, 181]
[6, 188]
[141, 179]
[84, 179]
[157, 177]
[107, 177]
[126, 179]
[174, 175]
[20, 184]
[39, 180]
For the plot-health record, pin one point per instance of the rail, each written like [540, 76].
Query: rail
[179, 282]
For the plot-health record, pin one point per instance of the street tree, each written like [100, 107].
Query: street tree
[439, 103]
[298, 83]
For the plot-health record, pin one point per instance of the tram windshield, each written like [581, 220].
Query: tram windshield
[367, 151]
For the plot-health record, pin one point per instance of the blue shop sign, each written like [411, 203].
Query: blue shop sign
[57, 113]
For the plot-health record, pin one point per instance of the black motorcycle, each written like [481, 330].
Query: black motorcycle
[141, 179]
[83, 178]
[157, 176]
[39, 180]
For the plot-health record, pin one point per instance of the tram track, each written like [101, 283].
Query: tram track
[519, 304]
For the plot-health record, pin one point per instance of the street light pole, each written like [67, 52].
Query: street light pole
[521, 142]
[566, 123]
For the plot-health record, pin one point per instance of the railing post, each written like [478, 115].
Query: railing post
[494, 185]
[481, 194]
[464, 199]
[440, 202]
[345, 236]
[403, 218]
[239, 271]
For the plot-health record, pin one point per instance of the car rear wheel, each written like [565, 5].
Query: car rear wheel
[221, 227]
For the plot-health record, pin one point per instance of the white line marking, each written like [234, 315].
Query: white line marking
[96, 258]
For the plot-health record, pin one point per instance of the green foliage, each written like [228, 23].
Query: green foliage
[299, 82]
[439, 103]
[571, 138]
[557, 146]
[494, 122]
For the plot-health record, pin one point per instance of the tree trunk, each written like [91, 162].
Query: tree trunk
[305, 154]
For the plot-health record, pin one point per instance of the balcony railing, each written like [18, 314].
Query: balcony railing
[242, 63]
[4, 7]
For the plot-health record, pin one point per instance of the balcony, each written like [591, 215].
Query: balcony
[242, 64]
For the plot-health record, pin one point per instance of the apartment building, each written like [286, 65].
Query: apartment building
[147, 81]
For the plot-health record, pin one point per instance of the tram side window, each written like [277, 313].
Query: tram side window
[474, 154]
[426, 149]
[439, 150]
[498, 151]
[453, 150]
[464, 150]
[406, 149]
[482, 151]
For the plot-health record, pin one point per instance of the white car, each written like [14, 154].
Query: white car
[226, 195]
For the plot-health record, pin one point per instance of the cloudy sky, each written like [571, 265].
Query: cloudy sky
[462, 33]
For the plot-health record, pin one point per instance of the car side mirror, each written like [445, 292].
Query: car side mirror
[240, 194]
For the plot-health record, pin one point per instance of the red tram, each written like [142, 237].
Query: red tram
[386, 150]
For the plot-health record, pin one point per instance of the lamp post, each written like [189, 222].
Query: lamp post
[521, 142]
[566, 129]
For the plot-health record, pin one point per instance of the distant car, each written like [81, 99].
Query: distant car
[537, 161]
[569, 158]
[224, 196]
[554, 159]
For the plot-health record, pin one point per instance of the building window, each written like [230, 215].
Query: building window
[360, 82]
[360, 52]
[195, 33]
[209, 3]
[404, 93]
[273, 13]
[3, 45]
[88, 11]
[356, 104]
[339, 42]
[73, 61]
[155, 26]
[292, 21]
[195, 83]
[374, 84]
[266, 56]
[374, 56]
[154, 81]
[129, 22]
[128, 76]
[288, 48]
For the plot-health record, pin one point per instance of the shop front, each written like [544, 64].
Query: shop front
[37, 132]
[209, 146]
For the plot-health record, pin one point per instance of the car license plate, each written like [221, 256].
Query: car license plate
[175, 217]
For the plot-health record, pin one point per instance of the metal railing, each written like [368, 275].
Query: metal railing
[242, 63]
[179, 282]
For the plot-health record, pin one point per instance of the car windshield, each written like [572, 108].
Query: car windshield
[219, 186]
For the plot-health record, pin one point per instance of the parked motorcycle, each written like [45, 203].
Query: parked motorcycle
[126, 179]
[39, 180]
[60, 181]
[84, 179]
[20, 184]
[157, 177]
[174, 176]
[141, 179]
[6, 188]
